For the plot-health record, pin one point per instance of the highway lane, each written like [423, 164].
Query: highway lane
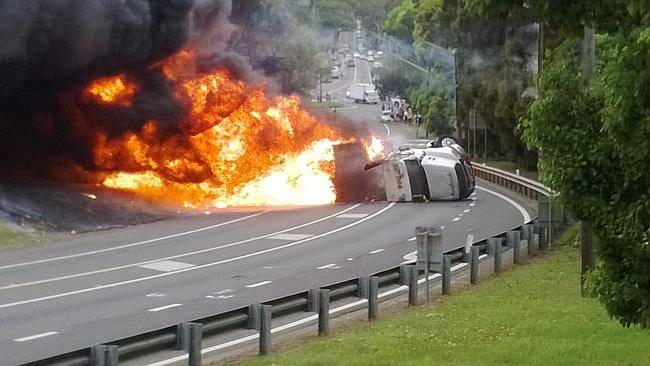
[364, 239]
[98, 287]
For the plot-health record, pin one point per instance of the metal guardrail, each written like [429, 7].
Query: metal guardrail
[522, 185]
[175, 337]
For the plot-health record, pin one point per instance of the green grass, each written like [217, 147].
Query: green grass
[531, 316]
[10, 237]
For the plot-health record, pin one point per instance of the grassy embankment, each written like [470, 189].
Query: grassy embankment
[531, 316]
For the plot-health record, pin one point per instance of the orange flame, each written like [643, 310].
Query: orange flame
[237, 147]
[112, 90]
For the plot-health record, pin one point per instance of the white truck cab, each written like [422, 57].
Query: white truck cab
[438, 173]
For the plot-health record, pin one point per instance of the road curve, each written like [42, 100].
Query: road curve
[102, 286]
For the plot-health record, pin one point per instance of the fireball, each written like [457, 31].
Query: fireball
[236, 146]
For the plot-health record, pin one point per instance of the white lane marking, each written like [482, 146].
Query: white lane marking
[290, 236]
[329, 266]
[412, 239]
[376, 251]
[166, 266]
[131, 244]
[387, 130]
[482, 256]
[442, 227]
[410, 257]
[155, 294]
[466, 210]
[519, 207]
[352, 216]
[259, 284]
[35, 336]
[456, 219]
[472, 204]
[11, 286]
[207, 265]
[220, 297]
[224, 291]
[350, 259]
[161, 308]
[460, 215]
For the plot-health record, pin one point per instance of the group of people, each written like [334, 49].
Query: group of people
[401, 111]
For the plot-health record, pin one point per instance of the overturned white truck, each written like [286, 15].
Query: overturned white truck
[438, 172]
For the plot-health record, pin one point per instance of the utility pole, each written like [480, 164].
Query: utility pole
[588, 257]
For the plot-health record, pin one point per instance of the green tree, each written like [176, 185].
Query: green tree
[400, 20]
[594, 134]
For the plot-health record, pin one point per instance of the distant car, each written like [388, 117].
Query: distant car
[386, 117]
[377, 65]
[357, 55]
[370, 53]
[336, 72]
[371, 58]
[379, 54]
[350, 63]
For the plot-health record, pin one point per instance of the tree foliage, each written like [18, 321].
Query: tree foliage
[595, 139]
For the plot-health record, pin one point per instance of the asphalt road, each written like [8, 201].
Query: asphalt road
[98, 287]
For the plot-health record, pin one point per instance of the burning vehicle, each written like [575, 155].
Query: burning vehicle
[161, 107]
[440, 171]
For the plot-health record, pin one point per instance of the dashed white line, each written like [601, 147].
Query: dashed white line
[376, 251]
[352, 216]
[258, 284]
[456, 219]
[35, 336]
[412, 239]
[207, 265]
[350, 259]
[104, 270]
[466, 210]
[328, 266]
[132, 244]
[161, 308]
[155, 294]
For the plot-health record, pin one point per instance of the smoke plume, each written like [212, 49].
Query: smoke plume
[52, 48]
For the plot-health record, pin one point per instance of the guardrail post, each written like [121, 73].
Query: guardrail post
[182, 336]
[413, 285]
[323, 311]
[253, 316]
[446, 275]
[498, 244]
[196, 339]
[403, 274]
[473, 277]
[513, 240]
[536, 243]
[362, 290]
[373, 297]
[312, 300]
[265, 329]
[532, 244]
[104, 355]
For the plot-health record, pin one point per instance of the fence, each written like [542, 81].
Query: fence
[483, 258]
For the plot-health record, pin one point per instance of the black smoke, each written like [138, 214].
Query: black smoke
[51, 49]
